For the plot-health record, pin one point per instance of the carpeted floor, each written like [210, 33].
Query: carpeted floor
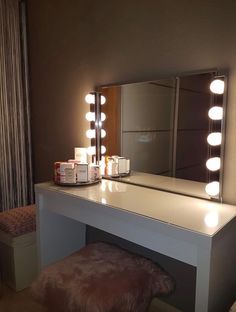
[10, 301]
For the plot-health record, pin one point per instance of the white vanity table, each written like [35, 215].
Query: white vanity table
[195, 231]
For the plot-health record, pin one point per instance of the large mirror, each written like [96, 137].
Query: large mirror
[162, 126]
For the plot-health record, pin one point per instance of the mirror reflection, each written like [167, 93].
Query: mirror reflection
[163, 126]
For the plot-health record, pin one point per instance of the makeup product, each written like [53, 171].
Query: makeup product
[81, 154]
[63, 167]
[70, 175]
[82, 172]
[94, 172]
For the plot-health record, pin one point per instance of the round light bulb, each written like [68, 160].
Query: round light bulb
[217, 86]
[90, 116]
[90, 133]
[213, 163]
[103, 149]
[214, 138]
[216, 113]
[103, 99]
[103, 117]
[91, 150]
[103, 133]
[213, 188]
[90, 98]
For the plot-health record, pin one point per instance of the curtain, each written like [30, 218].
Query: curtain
[16, 187]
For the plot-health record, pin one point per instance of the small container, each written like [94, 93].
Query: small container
[94, 172]
[81, 154]
[63, 167]
[81, 172]
[70, 175]
[112, 167]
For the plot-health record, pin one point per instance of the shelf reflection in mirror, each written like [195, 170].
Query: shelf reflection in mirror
[163, 126]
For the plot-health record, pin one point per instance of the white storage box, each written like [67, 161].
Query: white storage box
[18, 259]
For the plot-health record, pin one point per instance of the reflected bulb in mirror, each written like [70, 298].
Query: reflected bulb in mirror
[90, 133]
[103, 149]
[103, 117]
[90, 98]
[216, 113]
[213, 188]
[103, 133]
[213, 163]
[217, 86]
[214, 138]
[91, 150]
[103, 99]
[90, 116]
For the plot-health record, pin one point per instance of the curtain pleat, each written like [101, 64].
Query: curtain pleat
[16, 187]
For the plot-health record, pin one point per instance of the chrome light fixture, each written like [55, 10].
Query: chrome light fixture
[96, 118]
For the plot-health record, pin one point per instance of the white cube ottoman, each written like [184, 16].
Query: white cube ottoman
[18, 261]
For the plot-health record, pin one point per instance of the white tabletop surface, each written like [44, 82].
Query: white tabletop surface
[193, 214]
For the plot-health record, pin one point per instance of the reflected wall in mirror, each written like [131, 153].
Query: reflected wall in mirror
[163, 125]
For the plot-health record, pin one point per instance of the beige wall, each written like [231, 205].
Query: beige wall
[77, 44]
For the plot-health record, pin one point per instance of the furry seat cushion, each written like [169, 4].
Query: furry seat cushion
[18, 221]
[101, 278]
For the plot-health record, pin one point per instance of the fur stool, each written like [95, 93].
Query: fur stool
[18, 260]
[101, 278]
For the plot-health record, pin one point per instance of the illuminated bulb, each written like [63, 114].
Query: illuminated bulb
[91, 150]
[103, 99]
[90, 134]
[211, 219]
[90, 116]
[216, 113]
[214, 138]
[217, 86]
[213, 164]
[90, 98]
[103, 149]
[213, 188]
[103, 117]
[103, 133]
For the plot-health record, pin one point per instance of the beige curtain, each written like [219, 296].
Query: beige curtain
[15, 144]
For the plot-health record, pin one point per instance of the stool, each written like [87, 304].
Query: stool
[18, 260]
[101, 278]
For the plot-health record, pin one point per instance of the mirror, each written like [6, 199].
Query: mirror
[162, 127]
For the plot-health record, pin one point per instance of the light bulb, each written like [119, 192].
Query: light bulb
[103, 99]
[90, 98]
[103, 117]
[213, 188]
[103, 149]
[213, 163]
[91, 150]
[103, 133]
[217, 86]
[90, 116]
[216, 113]
[90, 133]
[214, 138]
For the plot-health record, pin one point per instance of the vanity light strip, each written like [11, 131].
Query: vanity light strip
[215, 138]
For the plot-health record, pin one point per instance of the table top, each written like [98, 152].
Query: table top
[193, 214]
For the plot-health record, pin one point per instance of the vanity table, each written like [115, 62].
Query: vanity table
[195, 231]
